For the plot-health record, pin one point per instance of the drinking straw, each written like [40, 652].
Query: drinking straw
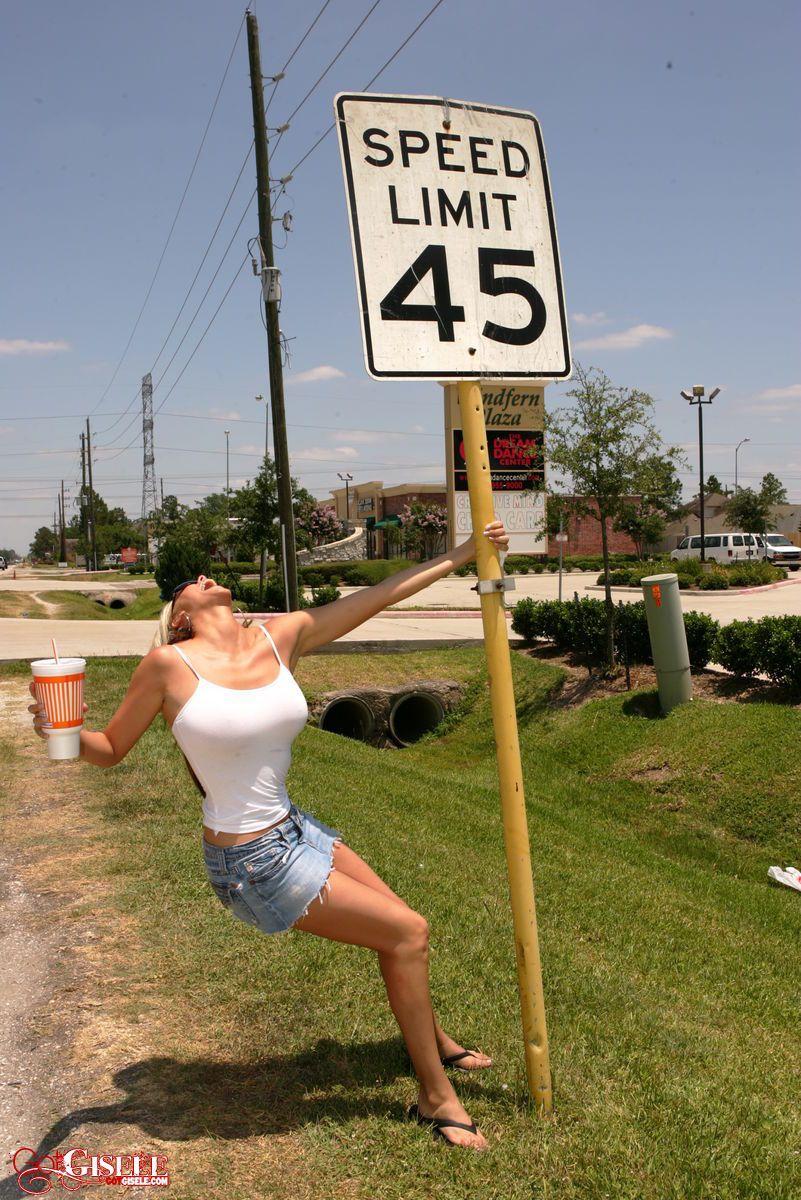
[55, 649]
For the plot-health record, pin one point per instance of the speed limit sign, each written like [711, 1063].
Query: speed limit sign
[454, 239]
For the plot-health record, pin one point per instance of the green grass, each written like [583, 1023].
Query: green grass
[669, 963]
[72, 606]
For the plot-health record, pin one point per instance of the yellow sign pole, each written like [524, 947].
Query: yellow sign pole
[504, 720]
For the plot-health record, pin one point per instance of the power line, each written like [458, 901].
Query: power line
[370, 83]
[216, 229]
[286, 123]
[174, 220]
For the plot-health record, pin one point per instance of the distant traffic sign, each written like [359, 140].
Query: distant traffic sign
[454, 239]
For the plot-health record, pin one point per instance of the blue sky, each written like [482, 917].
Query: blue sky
[673, 156]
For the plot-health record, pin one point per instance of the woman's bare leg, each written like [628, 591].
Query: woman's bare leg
[349, 911]
[347, 860]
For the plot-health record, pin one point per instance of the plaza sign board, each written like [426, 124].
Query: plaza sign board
[514, 418]
[454, 239]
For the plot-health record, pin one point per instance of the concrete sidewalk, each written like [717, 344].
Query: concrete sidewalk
[21, 638]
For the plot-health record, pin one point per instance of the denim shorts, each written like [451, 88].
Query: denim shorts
[271, 880]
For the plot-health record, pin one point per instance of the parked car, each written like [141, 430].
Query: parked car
[721, 547]
[781, 551]
[3, 563]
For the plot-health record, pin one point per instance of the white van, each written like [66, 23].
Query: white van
[721, 547]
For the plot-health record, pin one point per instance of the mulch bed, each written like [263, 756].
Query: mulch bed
[585, 682]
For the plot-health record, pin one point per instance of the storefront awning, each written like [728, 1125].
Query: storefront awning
[388, 523]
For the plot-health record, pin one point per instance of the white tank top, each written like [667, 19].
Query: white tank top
[239, 744]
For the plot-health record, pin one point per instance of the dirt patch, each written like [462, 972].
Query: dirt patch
[583, 684]
[91, 1055]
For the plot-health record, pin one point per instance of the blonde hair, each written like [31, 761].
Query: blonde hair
[165, 635]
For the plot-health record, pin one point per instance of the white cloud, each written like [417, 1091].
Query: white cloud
[363, 436]
[627, 339]
[793, 392]
[248, 448]
[771, 410]
[596, 318]
[324, 453]
[230, 414]
[317, 375]
[19, 346]
[5, 430]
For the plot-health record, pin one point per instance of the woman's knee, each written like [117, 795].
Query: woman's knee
[415, 935]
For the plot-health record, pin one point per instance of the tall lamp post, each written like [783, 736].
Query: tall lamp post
[697, 397]
[736, 451]
[347, 479]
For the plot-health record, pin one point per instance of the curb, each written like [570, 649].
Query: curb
[747, 591]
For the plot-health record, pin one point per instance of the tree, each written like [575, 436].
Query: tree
[713, 484]
[750, 511]
[772, 490]
[9, 555]
[643, 517]
[608, 447]
[44, 543]
[180, 558]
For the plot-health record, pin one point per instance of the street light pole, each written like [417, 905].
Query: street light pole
[736, 452]
[697, 397]
[347, 479]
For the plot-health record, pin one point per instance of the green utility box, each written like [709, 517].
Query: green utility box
[668, 639]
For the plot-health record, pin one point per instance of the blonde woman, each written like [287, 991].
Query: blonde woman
[227, 692]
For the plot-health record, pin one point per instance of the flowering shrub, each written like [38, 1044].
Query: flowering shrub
[322, 524]
[423, 528]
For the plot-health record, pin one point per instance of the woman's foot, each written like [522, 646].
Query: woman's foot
[475, 1060]
[448, 1106]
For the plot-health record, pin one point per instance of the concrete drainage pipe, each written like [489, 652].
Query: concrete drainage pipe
[414, 714]
[349, 716]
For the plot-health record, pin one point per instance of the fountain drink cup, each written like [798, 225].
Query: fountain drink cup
[59, 687]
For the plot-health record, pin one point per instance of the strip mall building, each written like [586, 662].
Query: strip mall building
[383, 504]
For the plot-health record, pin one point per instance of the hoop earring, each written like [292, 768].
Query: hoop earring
[183, 629]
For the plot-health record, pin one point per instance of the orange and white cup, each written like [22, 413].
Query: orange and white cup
[59, 689]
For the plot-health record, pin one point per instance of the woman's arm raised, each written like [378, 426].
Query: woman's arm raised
[315, 627]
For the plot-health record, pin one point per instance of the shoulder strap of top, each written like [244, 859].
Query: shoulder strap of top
[186, 660]
[269, 637]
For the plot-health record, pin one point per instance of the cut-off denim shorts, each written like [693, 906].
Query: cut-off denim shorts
[271, 880]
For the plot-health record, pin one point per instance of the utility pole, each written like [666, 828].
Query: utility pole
[263, 557]
[83, 521]
[91, 493]
[271, 292]
[63, 542]
[227, 496]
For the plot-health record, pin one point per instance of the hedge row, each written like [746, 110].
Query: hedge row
[580, 626]
[690, 574]
[246, 595]
[770, 646]
[358, 573]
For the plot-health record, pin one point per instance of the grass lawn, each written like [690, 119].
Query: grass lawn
[670, 964]
[72, 606]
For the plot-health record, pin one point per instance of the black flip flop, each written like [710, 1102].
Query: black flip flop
[451, 1060]
[437, 1123]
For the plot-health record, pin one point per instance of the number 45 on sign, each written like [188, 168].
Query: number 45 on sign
[454, 239]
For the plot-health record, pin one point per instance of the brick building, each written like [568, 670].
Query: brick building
[372, 499]
[584, 536]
